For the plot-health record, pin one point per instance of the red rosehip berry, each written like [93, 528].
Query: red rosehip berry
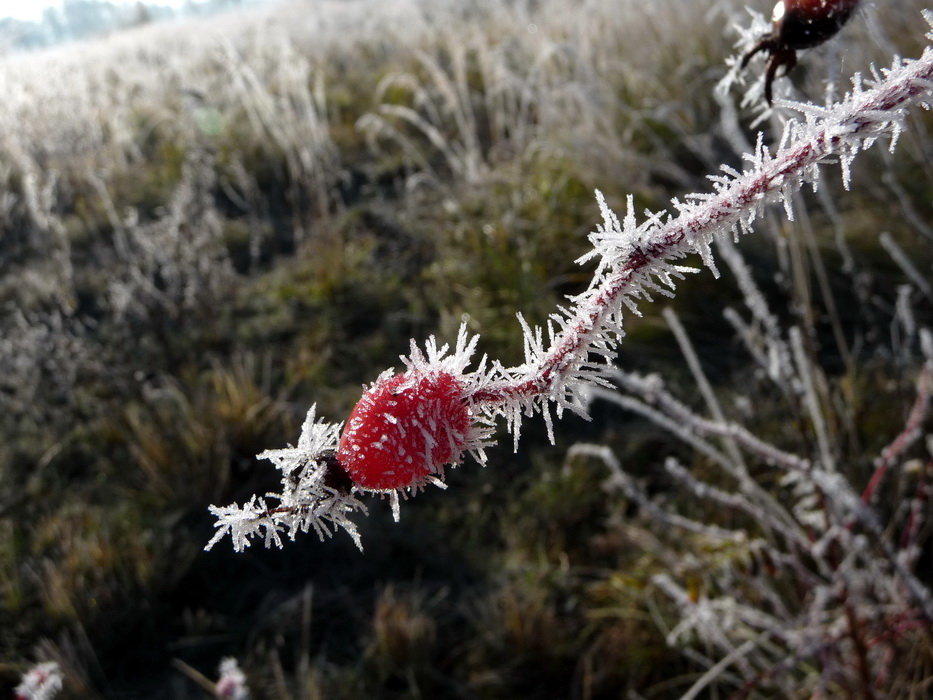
[405, 428]
[802, 24]
[795, 25]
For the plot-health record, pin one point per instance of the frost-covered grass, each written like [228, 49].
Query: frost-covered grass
[204, 234]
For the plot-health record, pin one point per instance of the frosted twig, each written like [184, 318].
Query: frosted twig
[408, 426]
[911, 432]
[636, 258]
[699, 376]
[805, 372]
[903, 261]
[621, 480]
[715, 671]
[774, 358]
[678, 419]
[41, 682]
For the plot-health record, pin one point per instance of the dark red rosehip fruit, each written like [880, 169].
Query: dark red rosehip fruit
[795, 25]
[405, 428]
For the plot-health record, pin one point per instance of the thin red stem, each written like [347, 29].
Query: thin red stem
[905, 438]
[719, 213]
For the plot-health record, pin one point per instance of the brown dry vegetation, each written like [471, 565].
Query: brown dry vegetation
[207, 226]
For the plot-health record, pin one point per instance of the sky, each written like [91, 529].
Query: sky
[32, 9]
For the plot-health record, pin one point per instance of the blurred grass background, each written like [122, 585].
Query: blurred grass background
[208, 226]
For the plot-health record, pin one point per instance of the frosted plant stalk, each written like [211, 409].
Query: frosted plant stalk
[232, 682]
[438, 411]
[41, 682]
[849, 581]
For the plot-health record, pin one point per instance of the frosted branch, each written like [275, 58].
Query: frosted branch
[636, 259]
[409, 426]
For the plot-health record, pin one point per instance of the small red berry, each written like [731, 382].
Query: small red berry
[802, 24]
[795, 25]
[405, 428]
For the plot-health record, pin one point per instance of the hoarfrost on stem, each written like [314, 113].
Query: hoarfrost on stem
[306, 502]
[232, 682]
[570, 354]
[41, 682]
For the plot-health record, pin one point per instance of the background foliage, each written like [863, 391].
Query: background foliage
[206, 225]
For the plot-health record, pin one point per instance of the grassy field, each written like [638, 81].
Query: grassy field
[207, 226]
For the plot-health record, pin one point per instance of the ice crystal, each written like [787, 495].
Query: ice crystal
[232, 682]
[308, 501]
[569, 357]
[405, 428]
[41, 682]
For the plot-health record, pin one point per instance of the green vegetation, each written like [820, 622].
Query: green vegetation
[202, 235]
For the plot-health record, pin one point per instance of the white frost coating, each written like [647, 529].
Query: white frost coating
[41, 682]
[306, 502]
[633, 260]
